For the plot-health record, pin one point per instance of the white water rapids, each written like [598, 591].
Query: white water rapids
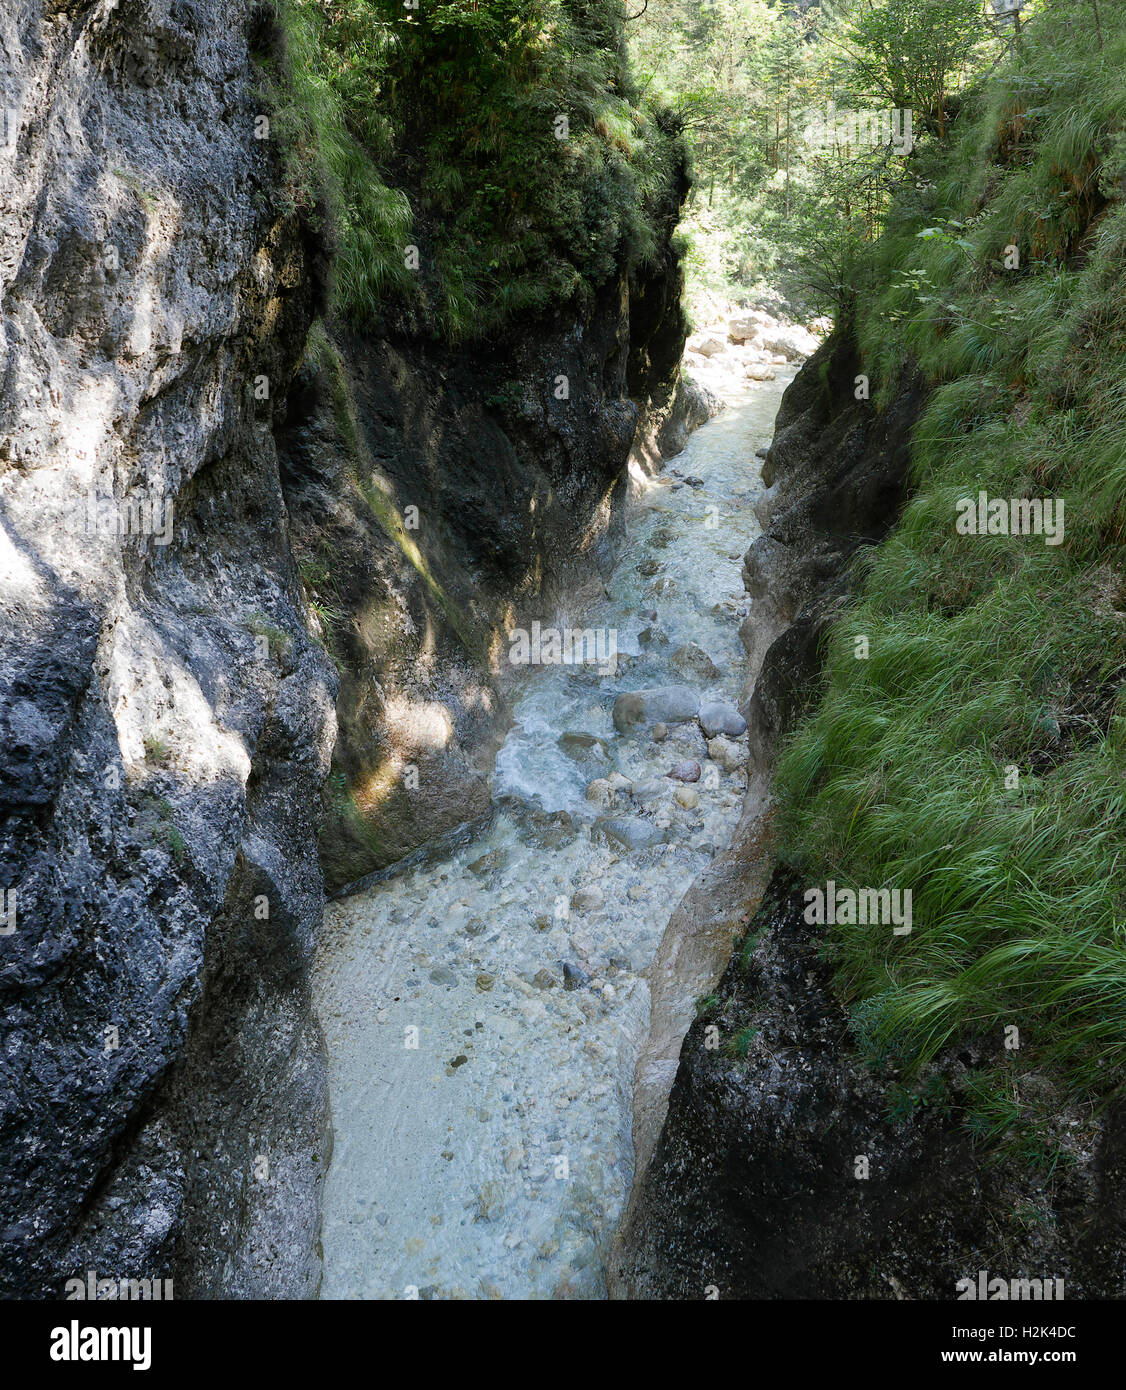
[494, 1159]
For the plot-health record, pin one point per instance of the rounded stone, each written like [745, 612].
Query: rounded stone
[687, 770]
[717, 717]
[587, 899]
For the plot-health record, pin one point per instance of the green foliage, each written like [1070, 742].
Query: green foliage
[330, 158]
[1002, 652]
[911, 55]
[783, 197]
[278, 641]
[156, 750]
[157, 815]
[501, 141]
[740, 1042]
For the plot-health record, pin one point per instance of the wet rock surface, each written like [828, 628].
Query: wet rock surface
[668, 705]
[718, 718]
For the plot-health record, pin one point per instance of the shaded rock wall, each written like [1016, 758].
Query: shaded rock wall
[166, 719]
[179, 477]
[671, 405]
[755, 1192]
[443, 495]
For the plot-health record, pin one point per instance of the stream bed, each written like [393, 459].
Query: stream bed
[483, 1007]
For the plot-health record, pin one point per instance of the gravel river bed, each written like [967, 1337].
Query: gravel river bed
[484, 1004]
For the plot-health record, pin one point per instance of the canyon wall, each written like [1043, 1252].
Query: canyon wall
[208, 568]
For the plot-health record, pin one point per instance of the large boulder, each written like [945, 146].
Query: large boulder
[791, 341]
[750, 326]
[709, 346]
[671, 704]
[630, 834]
[693, 660]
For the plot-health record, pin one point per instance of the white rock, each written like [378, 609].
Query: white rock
[600, 792]
[729, 755]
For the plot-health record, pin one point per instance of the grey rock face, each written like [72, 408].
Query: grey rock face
[168, 473]
[167, 719]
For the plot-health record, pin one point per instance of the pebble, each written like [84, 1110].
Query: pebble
[587, 899]
[688, 770]
[729, 755]
[600, 792]
[573, 977]
[490, 1201]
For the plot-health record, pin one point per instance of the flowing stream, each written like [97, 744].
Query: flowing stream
[482, 1021]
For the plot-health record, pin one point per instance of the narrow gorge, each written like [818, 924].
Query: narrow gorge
[483, 547]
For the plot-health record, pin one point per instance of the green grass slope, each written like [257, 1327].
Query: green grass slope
[993, 653]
